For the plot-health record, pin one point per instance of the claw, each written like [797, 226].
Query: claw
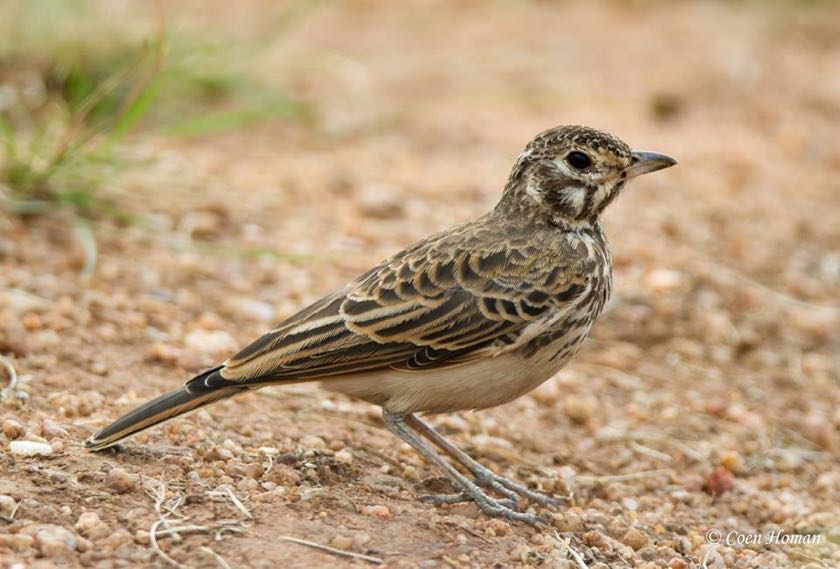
[505, 507]
[509, 488]
[438, 499]
[496, 508]
[510, 504]
[527, 493]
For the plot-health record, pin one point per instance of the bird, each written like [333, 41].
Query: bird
[469, 318]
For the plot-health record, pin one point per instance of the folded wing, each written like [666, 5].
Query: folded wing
[432, 305]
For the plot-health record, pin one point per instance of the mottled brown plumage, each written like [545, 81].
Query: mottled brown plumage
[468, 318]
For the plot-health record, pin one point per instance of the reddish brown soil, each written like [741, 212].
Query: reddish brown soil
[708, 398]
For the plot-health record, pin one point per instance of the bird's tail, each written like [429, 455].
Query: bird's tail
[159, 410]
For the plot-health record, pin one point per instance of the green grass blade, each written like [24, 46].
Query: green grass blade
[135, 112]
[225, 121]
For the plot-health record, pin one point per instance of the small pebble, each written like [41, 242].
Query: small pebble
[664, 280]
[18, 542]
[254, 470]
[33, 438]
[248, 485]
[7, 506]
[597, 539]
[120, 481]
[719, 481]
[13, 429]
[452, 424]
[30, 448]
[118, 538]
[635, 539]
[83, 544]
[827, 483]
[579, 410]
[141, 537]
[219, 453]
[91, 526]
[163, 353]
[342, 542]
[344, 457]
[313, 442]
[52, 540]
[378, 511]
[566, 521]
[547, 394]
[50, 430]
[210, 341]
[732, 461]
[410, 473]
[499, 527]
[250, 309]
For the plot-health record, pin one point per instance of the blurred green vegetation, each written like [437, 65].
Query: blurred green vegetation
[78, 77]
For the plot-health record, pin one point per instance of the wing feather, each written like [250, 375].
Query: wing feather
[440, 303]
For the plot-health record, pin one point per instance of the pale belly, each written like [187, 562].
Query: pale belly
[480, 384]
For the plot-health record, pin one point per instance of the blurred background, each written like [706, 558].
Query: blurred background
[177, 177]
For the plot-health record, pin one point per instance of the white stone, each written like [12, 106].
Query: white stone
[210, 341]
[29, 448]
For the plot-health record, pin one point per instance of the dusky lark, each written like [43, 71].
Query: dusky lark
[469, 318]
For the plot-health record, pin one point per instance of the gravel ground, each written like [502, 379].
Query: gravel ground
[708, 399]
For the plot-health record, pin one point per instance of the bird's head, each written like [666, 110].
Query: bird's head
[571, 173]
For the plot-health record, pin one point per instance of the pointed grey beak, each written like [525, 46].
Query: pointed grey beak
[646, 162]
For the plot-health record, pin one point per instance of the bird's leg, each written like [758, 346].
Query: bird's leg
[483, 475]
[396, 423]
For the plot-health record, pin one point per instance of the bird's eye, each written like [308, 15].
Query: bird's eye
[578, 160]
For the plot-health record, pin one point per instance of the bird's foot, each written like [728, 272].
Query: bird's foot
[504, 508]
[439, 499]
[489, 479]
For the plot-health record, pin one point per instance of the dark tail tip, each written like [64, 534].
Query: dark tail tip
[154, 412]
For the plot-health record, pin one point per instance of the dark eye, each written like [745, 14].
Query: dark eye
[578, 160]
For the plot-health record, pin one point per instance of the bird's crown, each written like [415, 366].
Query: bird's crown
[569, 174]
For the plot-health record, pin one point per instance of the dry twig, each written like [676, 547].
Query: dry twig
[227, 492]
[219, 559]
[651, 452]
[156, 548]
[333, 550]
[178, 530]
[11, 517]
[567, 547]
[8, 391]
[270, 453]
[157, 490]
[623, 477]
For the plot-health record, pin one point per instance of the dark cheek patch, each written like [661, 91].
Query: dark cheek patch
[587, 205]
[555, 197]
[552, 183]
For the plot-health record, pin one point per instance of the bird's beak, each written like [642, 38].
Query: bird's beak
[645, 162]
